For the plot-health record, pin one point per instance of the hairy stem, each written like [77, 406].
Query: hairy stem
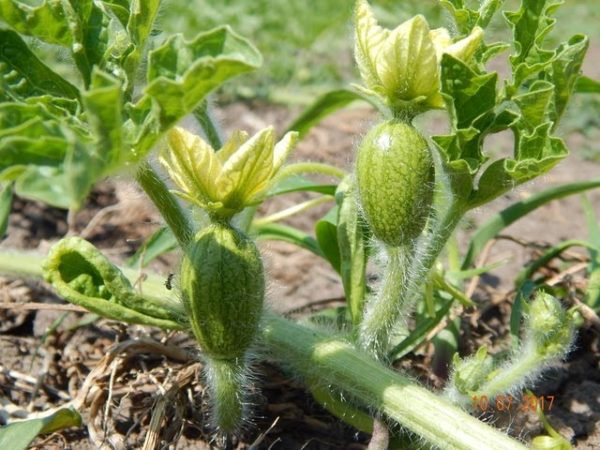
[204, 118]
[527, 364]
[385, 309]
[402, 283]
[227, 380]
[176, 217]
[334, 361]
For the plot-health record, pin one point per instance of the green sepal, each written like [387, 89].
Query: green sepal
[82, 275]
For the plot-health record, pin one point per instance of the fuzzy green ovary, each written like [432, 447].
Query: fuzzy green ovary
[395, 177]
[223, 289]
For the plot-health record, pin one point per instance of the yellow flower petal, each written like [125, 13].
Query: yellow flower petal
[282, 150]
[407, 65]
[368, 41]
[232, 145]
[441, 39]
[248, 169]
[191, 164]
[466, 48]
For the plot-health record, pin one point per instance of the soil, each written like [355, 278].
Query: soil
[44, 365]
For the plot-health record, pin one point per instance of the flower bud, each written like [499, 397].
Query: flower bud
[395, 175]
[471, 373]
[224, 182]
[401, 66]
[223, 288]
[549, 326]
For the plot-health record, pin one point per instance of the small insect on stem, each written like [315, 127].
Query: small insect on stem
[169, 281]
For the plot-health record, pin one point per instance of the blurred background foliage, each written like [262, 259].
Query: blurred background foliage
[307, 45]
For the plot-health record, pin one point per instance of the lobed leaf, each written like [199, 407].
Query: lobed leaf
[181, 73]
[46, 21]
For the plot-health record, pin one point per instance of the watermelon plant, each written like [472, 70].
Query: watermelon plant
[403, 201]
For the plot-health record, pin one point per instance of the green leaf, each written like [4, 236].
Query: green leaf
[181, 73]
[518, 210]
[89, 28]
[566, 67]
[530, 24]
[298, 183]
[535, 104]
[18, 435]
[141, 17]
[139, 25]
[25, 75]
[162, 241]
[487, 9]
[46, 21]
[120, 9]
[468, 95]
[352, 237]
[326, 233]
[535, 154]
[6, 195]
[46, 184]
[323, 106]
[592, 296]
[279, 232]
[516, 313]
[465, 18]
[586, 85]
[82, 275]
[103, 102]
[549, 254]
[35, 141]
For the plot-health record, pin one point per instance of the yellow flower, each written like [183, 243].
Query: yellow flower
[402, 66]
[227, 181]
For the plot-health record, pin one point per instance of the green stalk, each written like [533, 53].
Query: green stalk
[310, 167]
[166, 203]
[316, 355]
[292, 210]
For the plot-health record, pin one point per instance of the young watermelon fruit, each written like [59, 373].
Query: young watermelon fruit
[395, 177]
